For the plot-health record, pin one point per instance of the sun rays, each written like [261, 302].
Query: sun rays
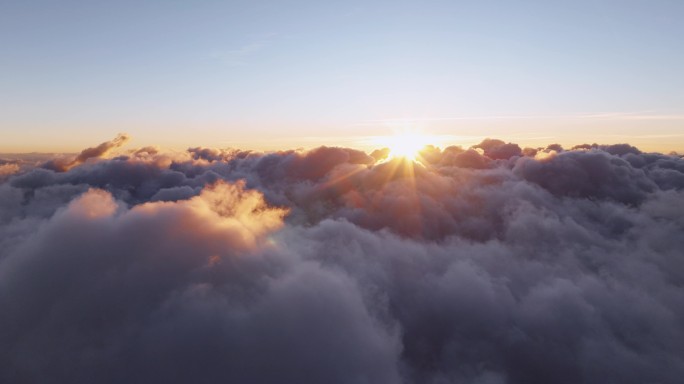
[395, 172]
[406, 145]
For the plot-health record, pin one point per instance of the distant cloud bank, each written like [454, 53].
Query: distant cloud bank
[490, 264]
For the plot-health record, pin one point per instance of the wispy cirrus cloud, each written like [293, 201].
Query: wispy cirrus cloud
[597, 116]
[241, 55]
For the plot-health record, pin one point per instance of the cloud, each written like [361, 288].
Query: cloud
[7, 169]
[486, 265]
[497, 149]
[101, 150]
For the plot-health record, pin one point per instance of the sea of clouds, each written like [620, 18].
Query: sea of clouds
[492, 264]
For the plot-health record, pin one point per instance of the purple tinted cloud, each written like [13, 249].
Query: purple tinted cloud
[485, 265]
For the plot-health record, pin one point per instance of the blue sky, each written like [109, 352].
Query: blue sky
[266, 74]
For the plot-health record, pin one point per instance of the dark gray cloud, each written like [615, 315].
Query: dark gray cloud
[592, 175]
[497, 149]
[482, 265]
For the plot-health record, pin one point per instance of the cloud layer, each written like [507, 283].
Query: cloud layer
[493, 264]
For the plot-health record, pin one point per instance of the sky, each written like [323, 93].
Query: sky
[287, 74]
[138, 244]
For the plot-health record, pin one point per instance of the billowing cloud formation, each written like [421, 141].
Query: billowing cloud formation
[484, 265]
[64, 164]
[8, 168]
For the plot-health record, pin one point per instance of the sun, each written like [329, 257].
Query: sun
[406, 145]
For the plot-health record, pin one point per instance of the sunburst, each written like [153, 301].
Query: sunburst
[406, 145]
